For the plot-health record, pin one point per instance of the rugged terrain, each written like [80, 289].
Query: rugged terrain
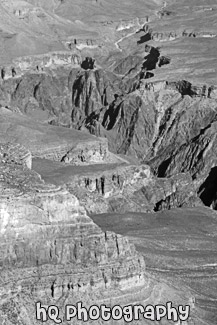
[179, 246]
[108, 115]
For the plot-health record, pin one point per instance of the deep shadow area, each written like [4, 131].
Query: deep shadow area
[185, 88]
[149, 75]
[151, 59]
[144, 38]
[163, 60]
[208, 190]
[163, 167]
[111, 115]
[88, 63]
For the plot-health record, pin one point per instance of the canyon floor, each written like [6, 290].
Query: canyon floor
[108, 168]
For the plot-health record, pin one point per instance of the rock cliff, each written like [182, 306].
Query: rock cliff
[152, 124]
[51, 250]
[140, 118]
[38, 63]
[120, 187]
[55, 143]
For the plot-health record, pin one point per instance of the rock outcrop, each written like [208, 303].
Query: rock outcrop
[51, 250]
[139, 118]
[127, 24]
[91, 90]
[15, 153]
[38, 63]
[152, 124]
[158, 36]
[54, 143]
[120, 187]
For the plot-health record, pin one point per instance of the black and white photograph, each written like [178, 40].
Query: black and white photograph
[108, 162]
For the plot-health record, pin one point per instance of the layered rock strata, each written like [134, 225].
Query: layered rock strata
[51, 142]
[139, 117]
[51, 250]
[38, 63]
[120, 187]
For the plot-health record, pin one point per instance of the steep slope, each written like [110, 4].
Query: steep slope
[55, 143]
[51, 250]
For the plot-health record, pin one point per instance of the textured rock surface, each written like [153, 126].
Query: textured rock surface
[120, 187]
[35, 27]
[51, 250]
[55, 143]
[116, 103]
[15, 153]
[152, 124]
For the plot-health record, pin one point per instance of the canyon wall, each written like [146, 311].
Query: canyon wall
[51, 250]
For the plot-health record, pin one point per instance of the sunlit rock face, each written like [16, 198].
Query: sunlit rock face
[15, 153]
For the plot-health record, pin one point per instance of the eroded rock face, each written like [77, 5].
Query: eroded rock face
[140, 118]
[51, 250]
[152, 124]
[120, 187]
[54, 143]
[91, 90]
[46, 96]
[15, 153]
[37, 63]
[143, 123]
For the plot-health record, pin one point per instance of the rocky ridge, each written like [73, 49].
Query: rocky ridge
[107, 107]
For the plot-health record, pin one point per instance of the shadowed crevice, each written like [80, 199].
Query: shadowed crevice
[208, 190]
